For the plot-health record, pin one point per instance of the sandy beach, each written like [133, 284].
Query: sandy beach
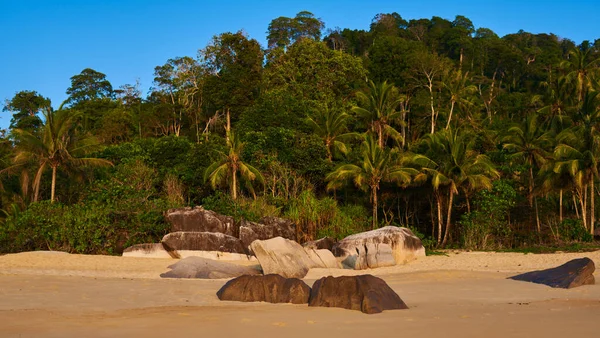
[464, 294]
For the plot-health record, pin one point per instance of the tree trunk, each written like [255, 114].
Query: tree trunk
[234, 184]
[53, 185]
[537, 217]
[582, 202]
[450, 115]
[560, 206]
[227, 126]
[575, 206]
[592, 216]
[374, 190]
[380, 133]
[439, 218]
[432, 110]
[449, 217]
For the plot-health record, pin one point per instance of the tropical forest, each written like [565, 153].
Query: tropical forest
[472, 140]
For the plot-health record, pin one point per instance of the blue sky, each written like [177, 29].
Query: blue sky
[44, 43]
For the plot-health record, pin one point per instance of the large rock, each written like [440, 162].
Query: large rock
[371, 249]
[572, 274]
[266, 228]
[268, 288]
[364, 293]
[288, 258]
[198, 219]
[198, 267]
[152, 250]
[203, 241]
[323, 243]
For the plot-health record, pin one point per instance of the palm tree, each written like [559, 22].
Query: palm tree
[581, 67]
[455, 165]
[529, 143]
[229, 165]
[376, 165]
[458, 89]
[56, 145]
[378, 109]
[578, 153]
[330, 125]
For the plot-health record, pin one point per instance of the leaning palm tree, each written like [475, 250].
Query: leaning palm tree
[458, 89]
[330, 125]
[531, 144]
[454, 166]
[581, 67]
[378, 109]
[376, 165]
[56, 145]
[228, 165]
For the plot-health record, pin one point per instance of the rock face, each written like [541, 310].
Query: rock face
[153, 250]
[288, 258]
[198, 219]
[266, 228]
[203, 241]
[198, 267]
[268, 288]
[572, 274]
[364, 293]
[371, 249]
[323, 243]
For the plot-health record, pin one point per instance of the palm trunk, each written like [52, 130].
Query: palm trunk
[439, 218]
[380, 132]
[592, 216]
[53, 185]
[537, 217]
[560, 206]
[374, 192]
[450, 115]
[575, 206]
[227, 126]
[234, 184]
[449, 218]
[582, 194]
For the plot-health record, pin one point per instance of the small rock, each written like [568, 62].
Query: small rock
[574, 273]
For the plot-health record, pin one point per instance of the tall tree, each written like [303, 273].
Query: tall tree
[26, 106]
[87, 86]
[376, 165]
[284, 31]
[378, 108]
[228, 165]
[58, 145]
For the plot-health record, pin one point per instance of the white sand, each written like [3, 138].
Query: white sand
[463, 295]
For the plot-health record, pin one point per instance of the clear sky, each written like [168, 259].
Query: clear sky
[45, 42]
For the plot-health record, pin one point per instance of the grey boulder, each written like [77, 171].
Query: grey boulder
[198, 219]
[198, 267]
[203, 241]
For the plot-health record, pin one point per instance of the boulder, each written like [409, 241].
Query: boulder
[288, 258]
[574, 273]
[273, 227]
[203, 241]
[217, 255]
[364, 293]
[198, 267]
[152, 250]
[268, 288]
[198, 219]
[323, 243]
[371, 249]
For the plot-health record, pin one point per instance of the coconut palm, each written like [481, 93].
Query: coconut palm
[330, 125]
[578, 153]
[57, 145]
[581, 67]
[376, 165]
[458, 89]
[378, 109]
[530, 143]
[454, 165]
[228, 165]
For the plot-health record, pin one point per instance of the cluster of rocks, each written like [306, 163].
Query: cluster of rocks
[197, 232]
[364, 293]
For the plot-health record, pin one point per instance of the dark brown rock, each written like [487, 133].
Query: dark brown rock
[574, 273]
[198, 267]
[319, 244]
[266, 228]
[202, 241]
[198, 219]
[365, 293]
[269, 288]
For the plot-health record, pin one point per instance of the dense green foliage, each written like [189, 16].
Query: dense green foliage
[470, 139]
